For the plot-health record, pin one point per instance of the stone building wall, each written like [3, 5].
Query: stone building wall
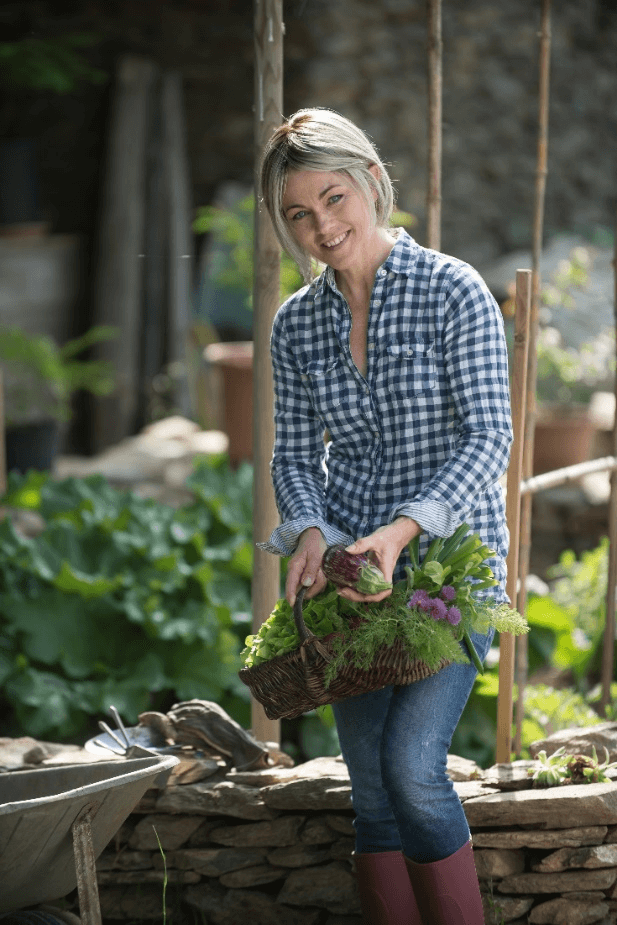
[368, 60]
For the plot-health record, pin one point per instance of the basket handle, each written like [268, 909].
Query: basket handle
[307, 639]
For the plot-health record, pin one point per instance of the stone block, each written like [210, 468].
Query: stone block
[214, 862]
[277, 833]
[234, 906]
[498, 863]
[299, 856]
[172, 831]
[589, 857]
[129, 903]
[566, 911]
[570, 881]
[553, 808]
[222, 799]
[317, 832]
[124, 860]
[313, 794]
[498, 909]
[544, 838]
[253, 876]
[341, 824]
[332, 887]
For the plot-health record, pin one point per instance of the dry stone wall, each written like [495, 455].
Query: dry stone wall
[276, 845]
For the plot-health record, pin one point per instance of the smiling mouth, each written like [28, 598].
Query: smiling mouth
[335, 242]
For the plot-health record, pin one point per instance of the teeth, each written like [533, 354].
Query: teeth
[336, 241]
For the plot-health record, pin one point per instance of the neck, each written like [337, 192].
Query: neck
[358, 280]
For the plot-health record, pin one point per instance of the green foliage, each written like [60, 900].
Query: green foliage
[54, 64]
[566, 632]
[122, 600]
[567, 375]
[560, 768]
[41, 377]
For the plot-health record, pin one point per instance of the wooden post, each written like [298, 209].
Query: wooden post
[120, 246]
[180, 235]
[532, 368]
[268, 25]
[433, 200]
[513, 508]
[608, 652]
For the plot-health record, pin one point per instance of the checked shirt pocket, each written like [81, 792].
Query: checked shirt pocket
[326, 382]
[410, 367]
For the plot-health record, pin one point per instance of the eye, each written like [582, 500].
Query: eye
[336, 198]
[298, 215]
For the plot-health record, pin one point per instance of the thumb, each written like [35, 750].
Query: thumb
[363, 545]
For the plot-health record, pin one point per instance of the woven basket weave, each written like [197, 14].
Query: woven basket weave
[291, 684]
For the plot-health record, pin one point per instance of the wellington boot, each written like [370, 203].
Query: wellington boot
[447, 891]
[386, 896]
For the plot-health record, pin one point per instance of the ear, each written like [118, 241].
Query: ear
[374, 169]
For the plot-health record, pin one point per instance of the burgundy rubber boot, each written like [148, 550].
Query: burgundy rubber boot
[447, 892]
[386, 895]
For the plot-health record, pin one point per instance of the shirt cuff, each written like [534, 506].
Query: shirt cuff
[284, 539]
[435, 517]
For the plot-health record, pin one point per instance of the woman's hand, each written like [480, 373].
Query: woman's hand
[385, 546]
[304, 567]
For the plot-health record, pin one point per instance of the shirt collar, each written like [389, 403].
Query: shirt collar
[401, 259]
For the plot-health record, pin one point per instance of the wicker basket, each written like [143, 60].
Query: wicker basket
[291, 684]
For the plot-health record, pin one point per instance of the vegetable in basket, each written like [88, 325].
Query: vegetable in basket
[348, 570]
[432, 611]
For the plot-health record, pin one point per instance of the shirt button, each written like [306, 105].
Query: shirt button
[370, 346]
[382, 272]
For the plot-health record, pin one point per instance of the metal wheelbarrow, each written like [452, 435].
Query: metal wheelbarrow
[55, 822]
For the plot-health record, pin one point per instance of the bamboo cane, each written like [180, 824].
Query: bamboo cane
[532, 368]
[608, 652]
[433, 199]
[513, 508]
[268, 36]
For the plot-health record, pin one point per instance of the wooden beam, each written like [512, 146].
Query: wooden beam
[435, 49]
[120, 247]
[180, 234]
[268, 25]
[608, 651]
[513, 508]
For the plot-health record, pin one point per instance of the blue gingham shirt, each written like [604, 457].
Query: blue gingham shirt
[425, 433]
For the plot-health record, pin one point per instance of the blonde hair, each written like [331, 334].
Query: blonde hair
[321, 140]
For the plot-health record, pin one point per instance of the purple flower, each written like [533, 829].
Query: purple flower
[438, 609]
[453, 616]
[448, 593]
[420, 599]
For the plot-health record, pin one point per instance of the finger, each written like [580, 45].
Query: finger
[317, 587]
[292, 582]
[352, 595]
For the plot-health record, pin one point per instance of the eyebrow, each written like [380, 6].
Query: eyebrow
[321, 195]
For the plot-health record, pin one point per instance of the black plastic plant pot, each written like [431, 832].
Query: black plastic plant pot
[32, 446]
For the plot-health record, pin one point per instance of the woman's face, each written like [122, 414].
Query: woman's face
[329, 218]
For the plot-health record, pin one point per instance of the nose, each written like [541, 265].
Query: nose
[322, 220]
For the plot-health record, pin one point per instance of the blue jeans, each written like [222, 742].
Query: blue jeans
[395, 743]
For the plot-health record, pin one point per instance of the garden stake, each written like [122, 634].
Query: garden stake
[513, 510]
[608, 651]
[433, 198]
[532, 365]
[268, 36]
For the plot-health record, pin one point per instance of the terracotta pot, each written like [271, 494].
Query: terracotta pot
[562, 438]
[235, 363]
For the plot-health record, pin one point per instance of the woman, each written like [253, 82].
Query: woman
[398, 352]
